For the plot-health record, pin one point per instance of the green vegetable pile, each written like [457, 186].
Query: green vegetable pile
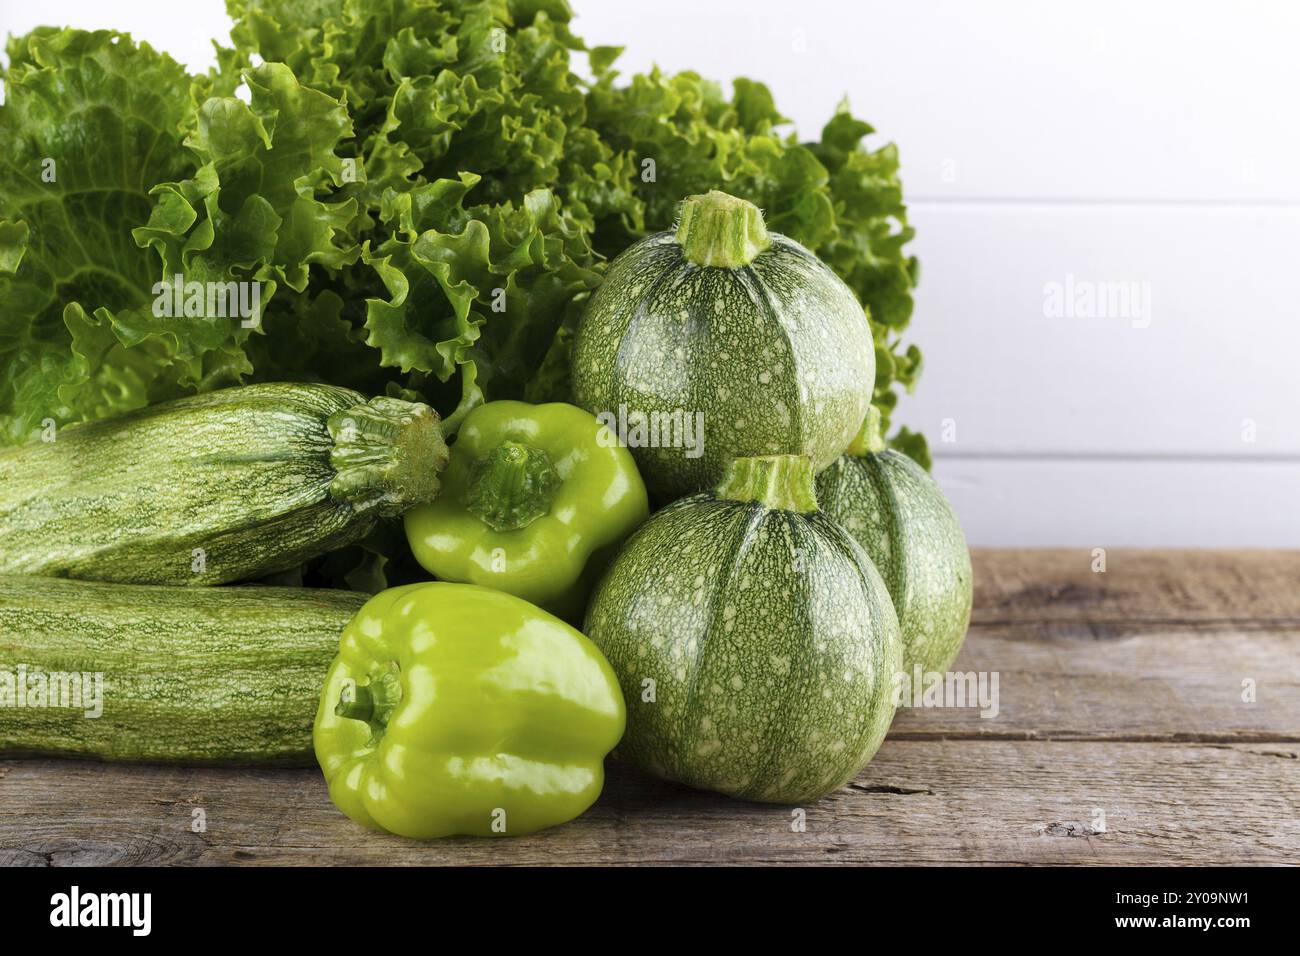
[617, 354]
[428, 192]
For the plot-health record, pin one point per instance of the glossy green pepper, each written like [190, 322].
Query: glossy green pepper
[454, 709]
[534, 502]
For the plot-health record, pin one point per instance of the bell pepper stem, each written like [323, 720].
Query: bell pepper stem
[780, 482]
[356, 702]
[512, 486]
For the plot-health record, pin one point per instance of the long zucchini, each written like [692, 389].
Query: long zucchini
[219, 487]
[177, 675]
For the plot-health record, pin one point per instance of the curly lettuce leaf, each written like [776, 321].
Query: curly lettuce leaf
[913, 445]
[480, 291]
[464, 299]
[90, 123]
[257, 207]
[259, 210]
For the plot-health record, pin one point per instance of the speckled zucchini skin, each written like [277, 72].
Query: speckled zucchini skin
[897, 512]
[771, 643]
[777, 355]
[190, 675]
[243, 474]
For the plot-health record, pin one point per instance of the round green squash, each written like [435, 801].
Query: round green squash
[897, 512]
[754, 641]
[723, 324]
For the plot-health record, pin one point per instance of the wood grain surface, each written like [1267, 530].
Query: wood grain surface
[1126, 733]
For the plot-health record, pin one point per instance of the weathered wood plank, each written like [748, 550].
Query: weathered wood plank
[1165, 645]
[1211, 684]
[1056, 591]
[1013, 802]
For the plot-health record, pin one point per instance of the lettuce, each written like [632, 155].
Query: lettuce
[90, 123]
[477, 180]
[424, 193]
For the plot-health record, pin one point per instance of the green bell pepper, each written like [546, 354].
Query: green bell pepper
[455, 709]
[534, 502]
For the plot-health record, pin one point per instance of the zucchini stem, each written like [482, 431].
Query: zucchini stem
[779, 482]
[868, 441]
[512, 486]
[720, 231]
[387, 455]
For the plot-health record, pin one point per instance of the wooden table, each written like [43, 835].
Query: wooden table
[1123, 737]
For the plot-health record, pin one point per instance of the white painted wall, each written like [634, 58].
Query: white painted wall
[1155, 142]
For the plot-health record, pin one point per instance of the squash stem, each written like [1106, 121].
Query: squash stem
[720, 231]
[780, 482]
[387, 455]
[512, 486]
[868, 441]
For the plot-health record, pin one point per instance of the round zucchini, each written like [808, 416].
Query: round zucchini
[724, 323]
[897, 512]
[755, 642]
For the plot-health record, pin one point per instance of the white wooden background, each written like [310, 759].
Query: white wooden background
[1147, 141]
